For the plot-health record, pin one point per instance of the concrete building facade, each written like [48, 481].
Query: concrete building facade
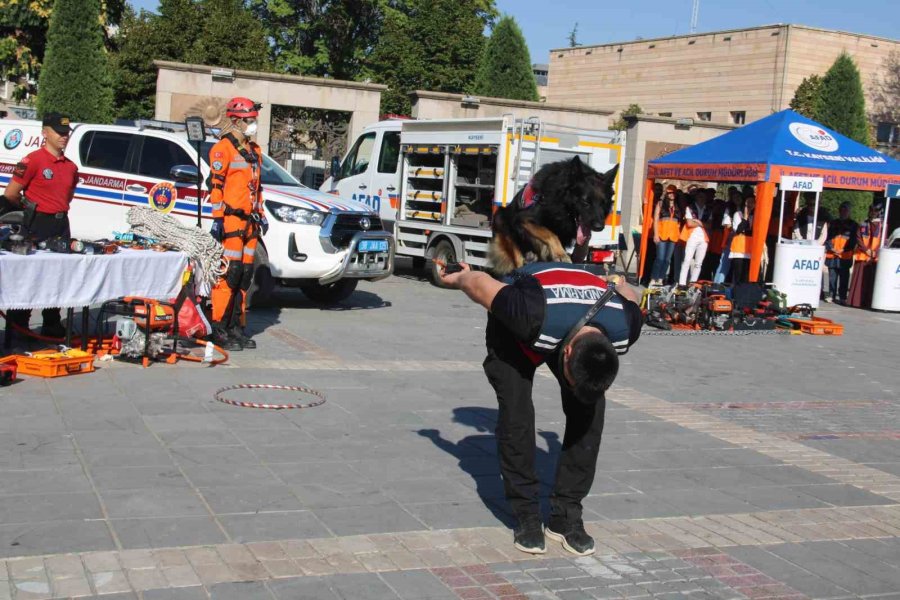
[187, 90]
[733, 76]
[440, 105]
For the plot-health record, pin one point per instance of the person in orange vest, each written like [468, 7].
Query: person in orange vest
[238, 218]
[666, 230]
[868, 239]
[839, 253]
[742, 225]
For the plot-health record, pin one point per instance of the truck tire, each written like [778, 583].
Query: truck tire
[260, 292]
[443, 251]
[331, 293]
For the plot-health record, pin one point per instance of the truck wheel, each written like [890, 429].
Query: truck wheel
[331, 293]
[443, 251]
[260, 292]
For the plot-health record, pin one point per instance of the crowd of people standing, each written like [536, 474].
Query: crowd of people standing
[700, 236]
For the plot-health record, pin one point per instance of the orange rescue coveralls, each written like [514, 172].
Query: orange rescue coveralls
[236, 197]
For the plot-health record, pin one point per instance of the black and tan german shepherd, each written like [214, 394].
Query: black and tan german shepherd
[562, 203]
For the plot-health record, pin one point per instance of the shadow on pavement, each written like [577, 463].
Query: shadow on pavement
[488, 482]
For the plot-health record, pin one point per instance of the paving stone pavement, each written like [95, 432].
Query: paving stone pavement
[731, 468]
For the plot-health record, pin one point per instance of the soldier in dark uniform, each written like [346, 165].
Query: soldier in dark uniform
[535, 314]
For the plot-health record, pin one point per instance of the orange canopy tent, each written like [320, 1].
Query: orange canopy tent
[783, 144]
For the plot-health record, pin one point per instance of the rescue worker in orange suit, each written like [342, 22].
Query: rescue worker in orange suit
[839, 253]
[238, 219]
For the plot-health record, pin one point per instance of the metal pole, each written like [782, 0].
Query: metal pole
[811, 234]
[199, 185]
[884, 222]
[781, 217]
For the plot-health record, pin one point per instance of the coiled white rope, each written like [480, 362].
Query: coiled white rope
[198, 244]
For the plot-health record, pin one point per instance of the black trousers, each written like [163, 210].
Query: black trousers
[512, 377]
[740, 270]
[43, 227]
[838, 277]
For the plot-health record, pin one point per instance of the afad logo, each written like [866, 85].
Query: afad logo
[814, 137]
[12, 139]
[802, 264]
[162, 196]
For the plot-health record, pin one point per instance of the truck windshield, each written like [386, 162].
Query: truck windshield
[272, 172]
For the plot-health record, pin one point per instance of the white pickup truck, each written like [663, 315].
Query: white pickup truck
[318, 242]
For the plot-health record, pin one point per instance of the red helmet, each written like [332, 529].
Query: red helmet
[242, 107]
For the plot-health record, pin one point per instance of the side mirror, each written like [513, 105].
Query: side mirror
[184, 173]
[335, 168]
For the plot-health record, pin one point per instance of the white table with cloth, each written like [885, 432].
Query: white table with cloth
[48, 279]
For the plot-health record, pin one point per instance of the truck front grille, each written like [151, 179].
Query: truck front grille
[346, 225]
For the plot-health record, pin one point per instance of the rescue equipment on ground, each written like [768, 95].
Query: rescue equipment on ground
[204, 252]
[263, 386]
[55, 363]
[8, 366]
[704, 307]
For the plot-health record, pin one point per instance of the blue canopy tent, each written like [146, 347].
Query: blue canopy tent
[783, 144]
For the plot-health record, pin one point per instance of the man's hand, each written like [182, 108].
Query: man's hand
[451, 280]
[217, 230]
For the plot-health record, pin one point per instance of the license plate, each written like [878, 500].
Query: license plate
[372, 246]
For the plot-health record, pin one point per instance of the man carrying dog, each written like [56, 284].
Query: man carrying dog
[561, 314]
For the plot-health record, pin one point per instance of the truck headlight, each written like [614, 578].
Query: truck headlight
[293, 214]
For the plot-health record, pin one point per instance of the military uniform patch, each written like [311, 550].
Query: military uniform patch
[47, 173]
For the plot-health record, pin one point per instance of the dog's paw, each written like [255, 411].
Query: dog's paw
[530, 257]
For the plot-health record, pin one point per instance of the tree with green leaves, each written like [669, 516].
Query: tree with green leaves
[806, 96]
[230, 36]
[23, 37]
[504, 70]
[428, 44]
[75, 77]
[322, 38]
[620, 124]
[194, 31]
[841, 106]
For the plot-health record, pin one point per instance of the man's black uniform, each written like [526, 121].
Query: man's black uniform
[529, 318]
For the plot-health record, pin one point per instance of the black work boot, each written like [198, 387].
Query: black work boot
[245, 341]
[221, 338]
[528, 536]
[572, 535]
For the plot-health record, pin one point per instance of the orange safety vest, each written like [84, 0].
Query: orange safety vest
[868, 237]
[842, 231]
[235, 177]
[668, 225]
[741, 243]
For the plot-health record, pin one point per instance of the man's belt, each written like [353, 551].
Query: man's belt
[58, 215]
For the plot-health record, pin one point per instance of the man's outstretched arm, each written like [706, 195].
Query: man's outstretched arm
[477, 285]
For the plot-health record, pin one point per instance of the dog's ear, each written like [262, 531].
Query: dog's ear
[609, 177]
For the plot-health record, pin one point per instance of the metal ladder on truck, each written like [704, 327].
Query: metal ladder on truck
[527, 152]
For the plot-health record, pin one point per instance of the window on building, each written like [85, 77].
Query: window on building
[888, 133]
[665, 114]
[738, 117]
[704, 116]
